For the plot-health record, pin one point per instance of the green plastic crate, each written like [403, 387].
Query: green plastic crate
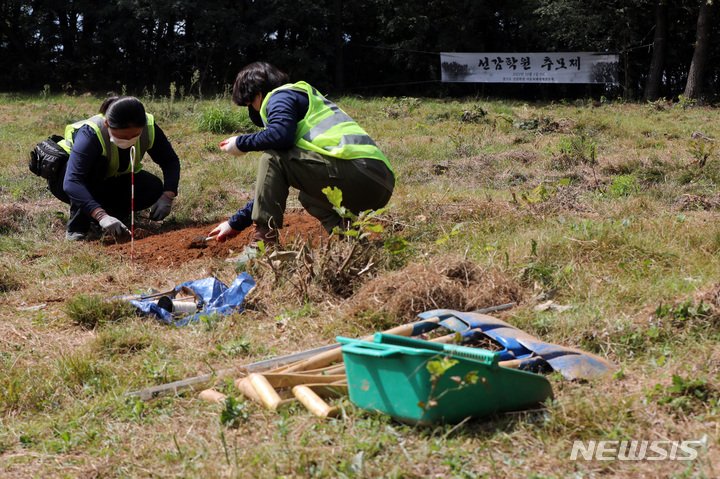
[390, 375]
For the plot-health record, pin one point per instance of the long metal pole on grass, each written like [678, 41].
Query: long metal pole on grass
[132, 206]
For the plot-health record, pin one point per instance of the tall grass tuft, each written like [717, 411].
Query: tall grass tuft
[91, 311]
[224, 120]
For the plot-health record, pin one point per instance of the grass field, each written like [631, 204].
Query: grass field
[608, 210]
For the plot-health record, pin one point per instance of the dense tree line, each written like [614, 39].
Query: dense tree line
[375, 47]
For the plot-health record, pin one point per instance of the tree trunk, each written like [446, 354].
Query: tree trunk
[338, 44]
[655, 74]
[693, 88]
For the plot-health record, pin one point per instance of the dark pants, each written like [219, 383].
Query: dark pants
[113, 194]
[310, 173]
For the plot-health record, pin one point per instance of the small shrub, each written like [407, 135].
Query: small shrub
[91, 311]
[576, 150]
[234, 413]
[474, 114]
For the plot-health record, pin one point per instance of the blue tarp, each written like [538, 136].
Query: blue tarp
[215, 298]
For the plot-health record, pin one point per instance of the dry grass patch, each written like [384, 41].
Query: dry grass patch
[688, 202]
[444, 283]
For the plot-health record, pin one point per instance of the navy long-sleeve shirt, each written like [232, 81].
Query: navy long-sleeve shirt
[87, 150]
[285, 109]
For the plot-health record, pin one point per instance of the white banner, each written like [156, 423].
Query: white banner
[577, 67]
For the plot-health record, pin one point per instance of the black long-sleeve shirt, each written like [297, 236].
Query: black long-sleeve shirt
[87, 150]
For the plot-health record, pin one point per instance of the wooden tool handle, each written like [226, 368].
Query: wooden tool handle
[319, 361]
[212, 396]
[510, 363]
[268, 396]
[246, 389]
[328, 390]
[335, 356]
[314, 403]
[287, 380]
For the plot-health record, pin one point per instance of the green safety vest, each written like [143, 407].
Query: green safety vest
[110, 149]
[327, 129]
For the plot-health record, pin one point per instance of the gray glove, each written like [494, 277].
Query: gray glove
[161, 208]
[113, 226]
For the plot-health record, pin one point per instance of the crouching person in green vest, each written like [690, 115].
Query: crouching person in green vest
[97, 180]
[309, 144]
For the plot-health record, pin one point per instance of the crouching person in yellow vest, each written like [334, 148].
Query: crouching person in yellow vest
[97, 179]
[309, 144]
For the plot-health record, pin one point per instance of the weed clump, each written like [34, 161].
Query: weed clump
[8, 281]
[11, 218]
[92, 311]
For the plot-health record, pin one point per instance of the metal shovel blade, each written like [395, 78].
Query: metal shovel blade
[199, 241]
[572, 363]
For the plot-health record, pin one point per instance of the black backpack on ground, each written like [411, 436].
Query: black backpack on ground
[48, 158]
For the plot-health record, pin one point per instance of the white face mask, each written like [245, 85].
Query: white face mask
[124, 144]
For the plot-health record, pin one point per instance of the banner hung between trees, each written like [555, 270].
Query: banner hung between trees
[577, 67]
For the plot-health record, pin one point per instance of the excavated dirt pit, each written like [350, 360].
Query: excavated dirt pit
[170, 247]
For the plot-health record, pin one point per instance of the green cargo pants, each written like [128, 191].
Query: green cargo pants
[363, 187]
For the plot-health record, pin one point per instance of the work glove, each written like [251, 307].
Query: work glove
[230, 146]
[223, 232]
[113, 226]
[161, 208]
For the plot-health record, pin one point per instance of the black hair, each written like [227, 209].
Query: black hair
[123, 112]
[258, 77]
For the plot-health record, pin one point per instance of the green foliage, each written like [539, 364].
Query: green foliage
[577, 150]
[685, 311]
[623, 185]
[235, 348]
[83, 372]
[685, 394]
[661, 104]
[189, 58]
[361, 225]
[543, 192]
[91, 311]
[395, 244]
[445, 237]
[437, 369]
[234, 413]
[224, 120]
[685, 102]
[701, 151]
[400, 107]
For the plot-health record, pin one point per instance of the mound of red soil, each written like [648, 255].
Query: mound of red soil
[171, 247]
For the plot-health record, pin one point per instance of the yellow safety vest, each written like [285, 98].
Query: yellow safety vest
[110, 149]
[327, 129]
